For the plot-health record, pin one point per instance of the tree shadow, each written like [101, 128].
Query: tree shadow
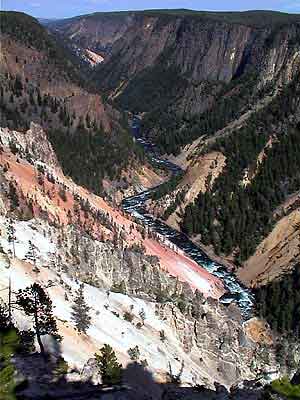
[140, 381]
[48, 379]
[141, 385]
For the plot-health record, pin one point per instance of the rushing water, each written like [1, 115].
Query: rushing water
[134, 205]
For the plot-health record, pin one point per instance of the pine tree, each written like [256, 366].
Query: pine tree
[109, 368]
[80, 311]
[142, 315]
[134, 353]
[39, 99]
[9, 344]
[13, 197]
[88, 121]
[11, 232]
[119, 287]
[31, 99]
[18, 86]
[4, 316]
[37, 304]
[162, 335]
[31, 254]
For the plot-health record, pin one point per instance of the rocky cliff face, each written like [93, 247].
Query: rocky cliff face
[33, 143]
[176, 68]
[35, 66]
[181, 65]
[97, 31]
[78, 237]
[203, 46]
[204, 50]
[206, 342]
[41, 82]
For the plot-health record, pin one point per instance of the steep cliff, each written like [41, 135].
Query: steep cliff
[37, 60]
[223, 82]
[233, 77]
[98, 31]
[174, 66]
[78, 237]
[41, 82]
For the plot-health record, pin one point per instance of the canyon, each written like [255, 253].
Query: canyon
[137, 162]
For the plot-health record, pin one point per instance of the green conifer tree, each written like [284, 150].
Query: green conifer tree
[9, 343]
[37, 304]
[109, 368]
[80, 311]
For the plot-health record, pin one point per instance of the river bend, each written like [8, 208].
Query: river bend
[134, 205]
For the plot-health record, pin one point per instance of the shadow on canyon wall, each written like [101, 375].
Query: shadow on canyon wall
[46, 379]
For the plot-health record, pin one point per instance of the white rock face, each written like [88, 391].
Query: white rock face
[94, 58]
[212, 348]
[33, 142]
[26, 232]
[107, 311]
[4, 261]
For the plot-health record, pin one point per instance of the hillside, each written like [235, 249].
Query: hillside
[220, 91]
[205, 70]
[41, 82]
[149, 206]
[223, 81]
[98, 34]
[64, 235]
[36, 71]
[254, 201]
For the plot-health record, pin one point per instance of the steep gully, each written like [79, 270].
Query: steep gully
[134, 206]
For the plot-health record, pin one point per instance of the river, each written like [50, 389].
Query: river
[134, 205]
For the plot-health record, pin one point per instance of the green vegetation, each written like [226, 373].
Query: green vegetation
[167, 186]
[285, 388]
[234, 217]
[9, 344]
[154, 87]
[61, 367]
[128, 316]
[28, 31]
[84, 155]
[37, 305]
[81, 311]
[119, 287]
[81, 145]
[12, 341]
[21, 101]
[4, 316]
[109, 368]
[232, 100]
[134, 353]
[279, 303]
[158, 90]
[250, 18]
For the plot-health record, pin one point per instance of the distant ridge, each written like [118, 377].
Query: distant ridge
[258, 18]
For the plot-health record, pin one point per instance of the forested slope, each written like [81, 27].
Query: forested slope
[235, 215]
[40, 82]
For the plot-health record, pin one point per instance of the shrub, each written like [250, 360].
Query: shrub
[134, 353]
[284, 387]
[128, 316]
[109, 368]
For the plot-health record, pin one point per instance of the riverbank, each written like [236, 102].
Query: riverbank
[134, 205]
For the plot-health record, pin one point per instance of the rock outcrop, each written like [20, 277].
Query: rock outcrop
[33, 143]
[205, 49]
[199, 336]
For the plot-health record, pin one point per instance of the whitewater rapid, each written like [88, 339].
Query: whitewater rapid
[134, 205]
